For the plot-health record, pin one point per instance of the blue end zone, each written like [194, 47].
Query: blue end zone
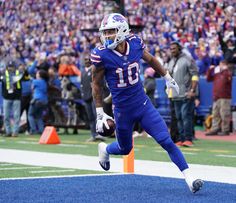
[116, 188]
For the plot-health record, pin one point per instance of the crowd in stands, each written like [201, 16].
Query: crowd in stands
[49, 28]
[56, 35]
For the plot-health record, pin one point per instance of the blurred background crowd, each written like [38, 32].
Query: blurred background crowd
[44, 29]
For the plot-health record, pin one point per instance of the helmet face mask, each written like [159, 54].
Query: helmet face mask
[119, 30]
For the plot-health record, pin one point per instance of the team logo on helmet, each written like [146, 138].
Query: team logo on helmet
[119, 18]
[105, 20]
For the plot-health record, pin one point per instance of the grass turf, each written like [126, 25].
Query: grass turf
[207, 152]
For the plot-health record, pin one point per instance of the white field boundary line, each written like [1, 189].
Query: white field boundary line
[53, 171]
[62, 176]
[142, 167]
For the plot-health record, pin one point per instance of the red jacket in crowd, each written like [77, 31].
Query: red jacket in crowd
[222, 83]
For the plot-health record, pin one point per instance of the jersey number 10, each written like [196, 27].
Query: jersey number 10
[133, 75]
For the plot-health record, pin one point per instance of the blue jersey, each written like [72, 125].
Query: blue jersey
[122, 71]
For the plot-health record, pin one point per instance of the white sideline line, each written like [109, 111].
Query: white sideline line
[226, 156]
[143, 167]
[46, 171]
[20, 168]
[61, 176]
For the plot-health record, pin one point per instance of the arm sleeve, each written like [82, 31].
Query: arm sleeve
[96, 58]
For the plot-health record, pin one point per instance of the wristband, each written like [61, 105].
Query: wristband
[99, 111]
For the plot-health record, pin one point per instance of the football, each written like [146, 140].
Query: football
[108, 132]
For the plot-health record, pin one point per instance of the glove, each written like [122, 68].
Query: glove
[170, 83]
[102, 118]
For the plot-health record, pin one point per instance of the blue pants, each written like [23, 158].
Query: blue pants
[11, 107]
[184, 113]
[152, 123]
[91, 112]
[35, 117]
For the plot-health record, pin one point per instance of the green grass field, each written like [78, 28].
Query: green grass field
[10, 170]
[218, 153]
[208, 152]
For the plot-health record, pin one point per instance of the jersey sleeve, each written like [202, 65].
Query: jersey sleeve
[95, 57]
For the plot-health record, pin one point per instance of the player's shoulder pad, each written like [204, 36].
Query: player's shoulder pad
[136, 39]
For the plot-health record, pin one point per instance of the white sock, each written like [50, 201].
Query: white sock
[188, 177]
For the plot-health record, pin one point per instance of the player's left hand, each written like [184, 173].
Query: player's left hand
[170, 83]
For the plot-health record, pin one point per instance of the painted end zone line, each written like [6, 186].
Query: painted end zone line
[54, 171]
[63, 176]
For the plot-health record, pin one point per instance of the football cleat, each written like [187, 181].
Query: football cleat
[104, 160]
[197, 185]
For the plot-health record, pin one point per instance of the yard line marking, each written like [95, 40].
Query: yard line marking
[47, 171]
[5, 164]
[72, 145]
[190, 149]
[226, 156]
[60, 145]
[27, 142]
[19, 168]
[220, 151]
[161, 151]
[189, 153]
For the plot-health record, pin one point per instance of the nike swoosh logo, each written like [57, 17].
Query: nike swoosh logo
[145, 102]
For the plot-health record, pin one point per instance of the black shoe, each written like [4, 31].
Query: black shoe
[223, 133]
[197, 185]
[213, 132]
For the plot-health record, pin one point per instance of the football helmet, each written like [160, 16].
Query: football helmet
[117, 22]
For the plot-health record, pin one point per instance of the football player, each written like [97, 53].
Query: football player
[118, 60]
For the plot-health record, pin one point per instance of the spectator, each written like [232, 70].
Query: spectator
[25, 98]
[54, 98]
[66, 67]
[11, 89]
[38, 102]
[150, 84]
[222, 86]
[184, 71]
[228, 46]
[86, 91]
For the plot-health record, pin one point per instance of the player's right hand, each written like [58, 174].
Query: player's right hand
[102, 118]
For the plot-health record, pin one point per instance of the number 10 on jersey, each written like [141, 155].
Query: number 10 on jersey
[132, 72]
